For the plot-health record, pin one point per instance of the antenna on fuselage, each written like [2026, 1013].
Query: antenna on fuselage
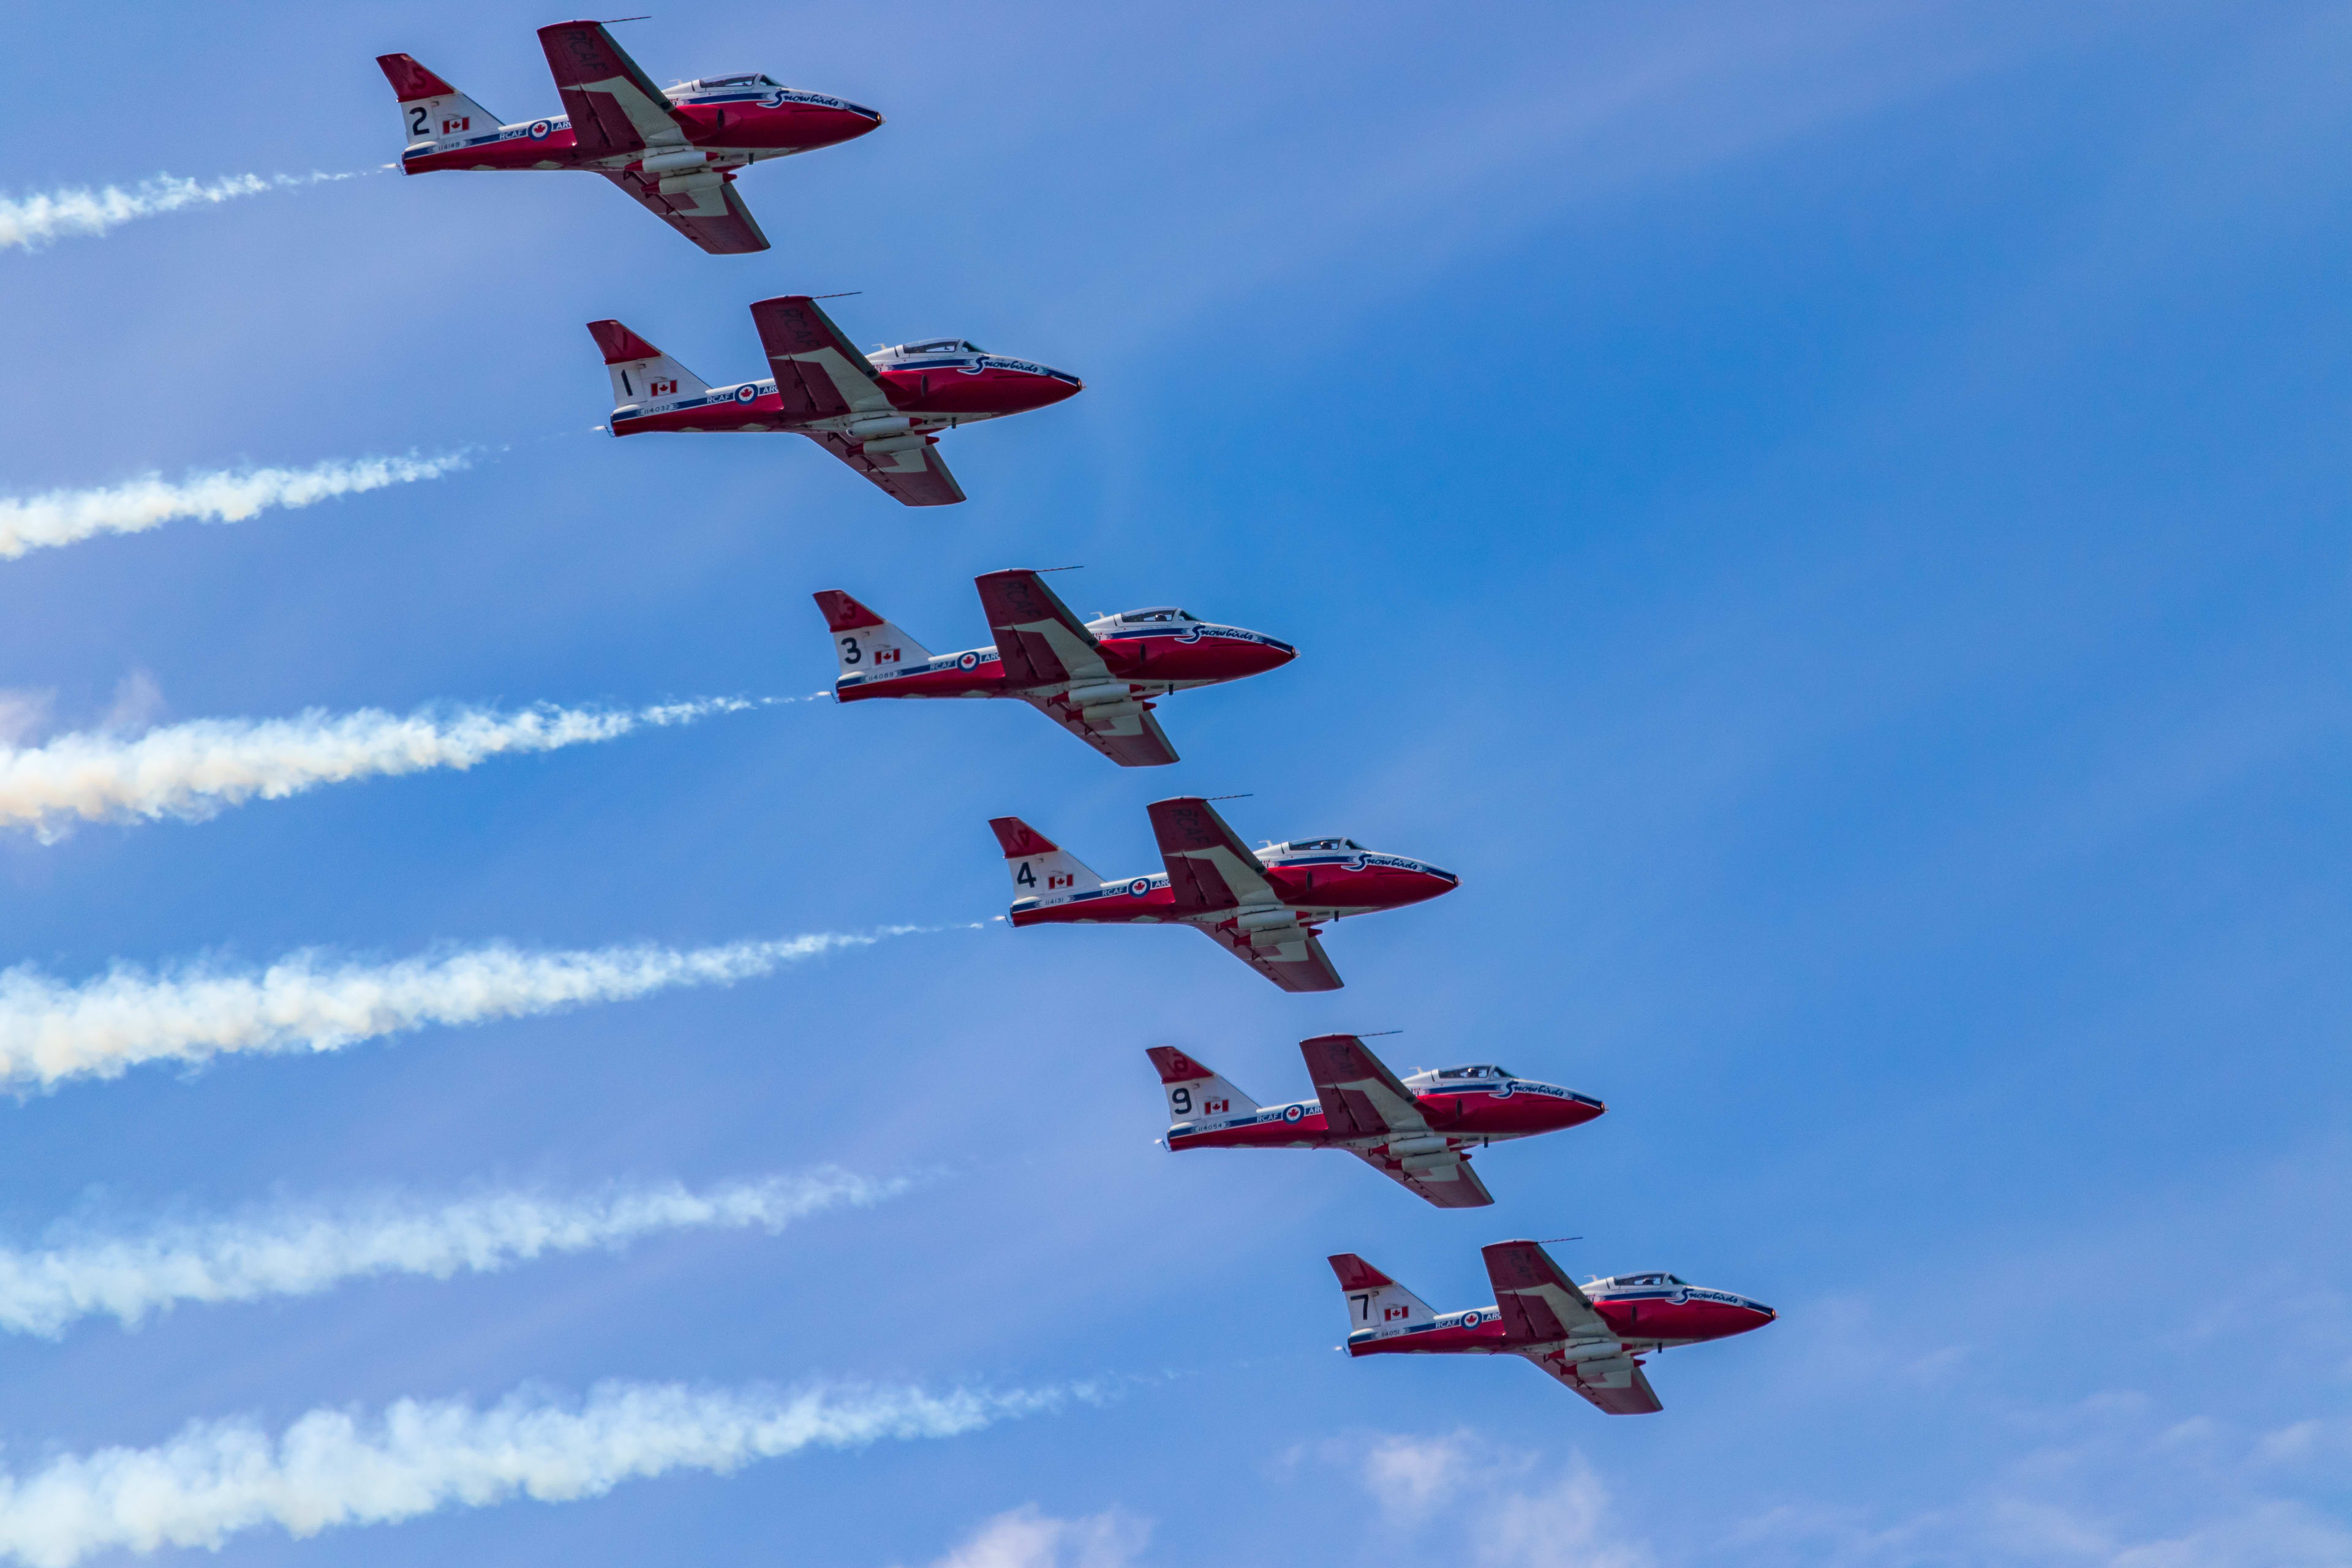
[1232, 797]
[615, 21]
[1044, 569]
[1547, 1240]
[1376, 1034]
[845, 294]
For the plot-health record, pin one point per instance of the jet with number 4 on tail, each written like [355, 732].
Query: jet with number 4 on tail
[879, 414]
[1095, 678]
[1593, 1338]
[1418, 1132]
[674, 151]
[1265, 907]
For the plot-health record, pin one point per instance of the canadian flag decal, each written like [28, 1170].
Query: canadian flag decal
[1059, 879]
[1217, 1107]
[661, 388]
[450, 125]
[1391, 1314]
[886, 655]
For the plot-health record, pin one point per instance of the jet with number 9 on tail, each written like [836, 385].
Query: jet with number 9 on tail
[1418, 1132]
[1592, 1338]
[1095, 678]
[1263, 908]
[674, 151]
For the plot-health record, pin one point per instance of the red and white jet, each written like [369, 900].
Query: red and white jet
[1095, 678]
[876, 414]
[1418, 1132]
[675, 150]
[1591, 1338]
[1263, 908]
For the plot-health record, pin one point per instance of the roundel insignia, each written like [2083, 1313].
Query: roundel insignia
[746, 392]
[1292, 1112]
[538, 130]
[1139, 887]
[1470, 1319]
[969, 661]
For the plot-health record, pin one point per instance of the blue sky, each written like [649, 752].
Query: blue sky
[1829, 517]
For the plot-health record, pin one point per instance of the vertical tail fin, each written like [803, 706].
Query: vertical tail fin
[1040, 867]
[864, 641]
[431, 110]
[641, 372]
[1375, 1301]
[1194, 1091]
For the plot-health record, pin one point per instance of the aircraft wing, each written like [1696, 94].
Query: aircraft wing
[918, 478]
[1361, 1099]
[820, 374]
[1299, 965]
[705, 208]
[1132, 741]
[1208, 868]
[1538, 1303]
[1615, 1385]
[1038, 638]
[1453, 1186]
[614, 107]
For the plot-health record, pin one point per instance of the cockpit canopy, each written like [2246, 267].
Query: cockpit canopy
[1156, 612]
[935, 346]
[1624, 1280]
[1482, 1070]
[749, 79]
[1298, 845]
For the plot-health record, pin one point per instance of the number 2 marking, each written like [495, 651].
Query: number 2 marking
[416, 121]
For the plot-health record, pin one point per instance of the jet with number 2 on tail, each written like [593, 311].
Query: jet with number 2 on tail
[1265, 907]
[876, 414]
[1418, 1132]
[1095, 678]
[1593, 1338]
[674, 151]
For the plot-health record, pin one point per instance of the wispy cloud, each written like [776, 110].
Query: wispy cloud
[334, 1468]
[301, 1249]
[51, 1031]
[1027, 1538]
[31, 222]
[195, 770]
[65, 517]
[1504, 1509]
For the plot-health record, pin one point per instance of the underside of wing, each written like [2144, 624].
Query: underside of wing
[614, 105]
[916, 478]
[1361, 1098]
[1132, 741]
[1038, 638]
[1451, 1185]
[1297, 964]
[1538, 1302]
[1616, 1384]
[1208, 867]
[704, 207]
[819, 372]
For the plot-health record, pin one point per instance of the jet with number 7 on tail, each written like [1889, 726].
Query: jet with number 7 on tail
[1095, 678]
[674, 151]
[1417, 1131]
[1592, 1338]
[1263, 908]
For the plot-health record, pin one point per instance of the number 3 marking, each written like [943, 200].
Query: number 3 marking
[849, 651]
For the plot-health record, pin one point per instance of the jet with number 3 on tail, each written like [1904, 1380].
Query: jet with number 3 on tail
[879, 414]
[1265, 907]
[674, 151]
[1418, 1132]
[1593, 1338]
[1095, 678]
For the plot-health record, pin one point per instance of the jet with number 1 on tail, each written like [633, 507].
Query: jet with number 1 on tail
[1265, 907]
[1593, 1338]
[1418, 1132]
[879, 414]
[1095, 678]
[674, 151]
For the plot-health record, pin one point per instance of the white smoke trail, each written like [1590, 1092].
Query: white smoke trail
[64, 517]
[300, 1250]
[195, 770]
[50, 1031]
[34, 221]
[335, 1468]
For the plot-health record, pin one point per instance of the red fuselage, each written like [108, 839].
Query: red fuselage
[932, 399]
[1642, 1318]
[1466, 1115]
[737, 129]
[1320, 887]
[1150, 661]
